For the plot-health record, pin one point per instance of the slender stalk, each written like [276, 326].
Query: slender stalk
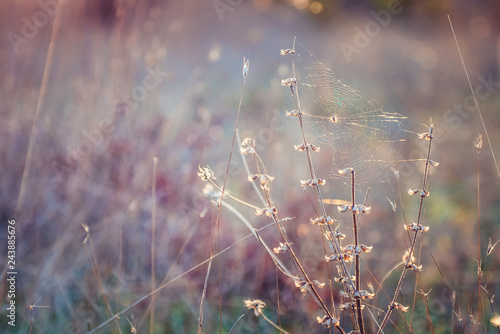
[335, 243]
[278, 298]
[415, 234]
[234, 326]
[217, 223]
[41, 99]
[93, 266]
[425, 298]
[153, 233]
[356, 258]
[475, 99]
[319, 198]
[273, 324]
[479, 274]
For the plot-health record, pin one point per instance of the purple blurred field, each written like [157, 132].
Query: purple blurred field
[134, 80]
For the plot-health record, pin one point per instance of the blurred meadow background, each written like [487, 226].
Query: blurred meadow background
[92, 93]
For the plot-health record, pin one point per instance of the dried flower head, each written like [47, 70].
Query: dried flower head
[337, 234]
[287, 51]
[293, 113]
[327, 321]
[312, 182]
[328, 235]
[264, 180]
[423, 193]
[290, 82]
[424, 294]
[405, 257]
[413, 191]
[246, 67]
[303, 147]
[414, 267]
[314, 148]
[348, 257]
[280, 249]
[248, 146]
[348, 249]
[425, 135]
[345, 171]
[478, 143]
[343, 208]
[366, 249]
[393, 205]
[363, 294]
[322, 220]
[257, 305]
[332, 258]
[346, 306]
[268, 211]
[416, 227]
[344, 280]
[86, 228]
[400, 307]
[318, 284]
[349, 305]
[396, 172]
[491, 247]
[302, 285]
[205, 173]
[300, 148]
[361, 209]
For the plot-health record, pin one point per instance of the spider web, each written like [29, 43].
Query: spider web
[360, 132]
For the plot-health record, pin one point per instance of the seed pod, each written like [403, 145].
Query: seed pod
[287, 51]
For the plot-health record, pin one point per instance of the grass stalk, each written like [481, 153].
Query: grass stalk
[217, 223]
[40, 102]
[475, 99]
[478, 145]
[93, 266]
[153, 233]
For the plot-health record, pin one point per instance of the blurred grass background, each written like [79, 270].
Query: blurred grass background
[184, 115]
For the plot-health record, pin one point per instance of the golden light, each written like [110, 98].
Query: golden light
[316, 7]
